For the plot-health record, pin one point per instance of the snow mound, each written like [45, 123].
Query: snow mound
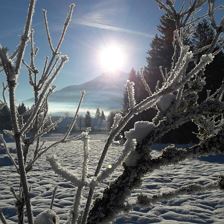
[47, 217]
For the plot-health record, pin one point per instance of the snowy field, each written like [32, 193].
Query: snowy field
[207, 207]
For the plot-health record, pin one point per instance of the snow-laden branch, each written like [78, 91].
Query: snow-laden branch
[128, 147]
[131, 94]
[76, 204]
[114, 197]
[144, 200]
[65, 173]
[2, 217]
[2, 140]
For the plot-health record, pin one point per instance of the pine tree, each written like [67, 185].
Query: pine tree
[203, 35]
[80, 119]
[88, 119]
[21, 108]
[5, 119]
[97, 114]
[161, 51]
[102, 116]
[97, 120]
[110, 119]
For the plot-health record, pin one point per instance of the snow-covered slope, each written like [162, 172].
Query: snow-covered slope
[204, 207]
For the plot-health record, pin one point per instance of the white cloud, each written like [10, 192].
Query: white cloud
[104, 16]
[111, 28]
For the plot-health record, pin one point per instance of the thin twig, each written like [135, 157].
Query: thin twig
[3, 92]
[77, 199]
[14, 193]
[8, 153]
[53, 197]
[41, 99]
[47, 30]
[144, 200]
[75, 116]
[2, 217]
[25, 35]
[66, 24]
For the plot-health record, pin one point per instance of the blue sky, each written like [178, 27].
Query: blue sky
[131, 23]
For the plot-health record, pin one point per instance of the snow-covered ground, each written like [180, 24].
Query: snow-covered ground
[207, 207]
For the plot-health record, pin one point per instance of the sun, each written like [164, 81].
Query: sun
[112, 58]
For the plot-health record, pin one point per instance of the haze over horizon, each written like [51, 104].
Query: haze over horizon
[102, 92]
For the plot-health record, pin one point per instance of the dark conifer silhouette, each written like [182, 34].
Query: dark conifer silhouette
[21, 109]
[102, 116]
[161, 51]
[5, 119]
[88, 119]
[203, 36]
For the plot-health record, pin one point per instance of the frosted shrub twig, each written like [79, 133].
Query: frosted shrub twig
[53, 197]
[65, 173]
[75, 210]
[2, 217]
[42, 90]
[144, 200]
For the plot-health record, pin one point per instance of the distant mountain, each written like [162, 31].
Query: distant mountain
[104, 91]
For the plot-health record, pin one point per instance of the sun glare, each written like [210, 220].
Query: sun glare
[112, 58]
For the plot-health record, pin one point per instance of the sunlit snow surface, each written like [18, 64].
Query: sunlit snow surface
[207, 207]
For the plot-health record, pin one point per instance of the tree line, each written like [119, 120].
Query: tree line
[96, 123]
[5, 118]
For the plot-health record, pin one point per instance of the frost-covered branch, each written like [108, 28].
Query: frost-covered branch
[128, 147]
[25, 36]
[42, 96]
[53, 197]
[2, 140]
[11, 72]
[47, 30]
[4, 88]
[75, 116]
[145, 84]
[65, 173]
[64, 30]
[2, 217]
[131, 94]
[144, 200]
[75, 213]
[114, 197]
